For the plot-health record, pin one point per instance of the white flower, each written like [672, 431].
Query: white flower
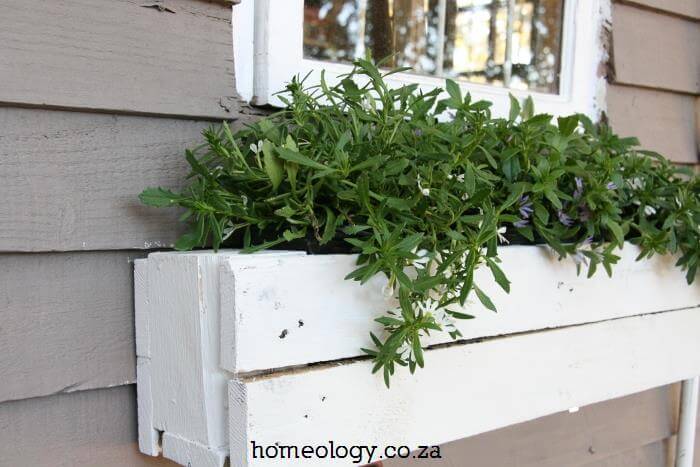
[256, 148]
[422, 260]
[501, 235]
[228, 230]
[649, 210]
[425, 191]
[465, 197]
[388, 290]
[636, 183]
[580, 258]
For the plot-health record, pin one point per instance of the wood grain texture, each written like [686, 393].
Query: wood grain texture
[66, 322]
[593, 434]
[483, 386]
[117, 55]
[70, 180]
[663, 121]
[656, 51]
[685, 8]
[87, 428]
[284, 311]
[657, 454]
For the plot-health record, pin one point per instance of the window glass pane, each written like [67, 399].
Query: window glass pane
[460, 39]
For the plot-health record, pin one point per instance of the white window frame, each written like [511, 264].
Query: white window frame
[268, 51]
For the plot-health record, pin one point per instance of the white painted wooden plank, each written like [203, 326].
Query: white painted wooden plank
[187, 383]
[191, 454]
[280, 312]
[148, 435]
[141, 316]
[464, 389]
[179, 405]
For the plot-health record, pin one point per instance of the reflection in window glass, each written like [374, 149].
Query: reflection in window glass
[511, 43]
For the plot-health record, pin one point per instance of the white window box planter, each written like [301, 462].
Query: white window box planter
[224, 341]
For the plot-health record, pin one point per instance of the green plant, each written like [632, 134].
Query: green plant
[425, 199]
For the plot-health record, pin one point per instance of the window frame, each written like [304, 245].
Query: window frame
[265, 61]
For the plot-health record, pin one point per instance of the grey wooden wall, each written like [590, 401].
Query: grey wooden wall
[654, 90]
[98, 99]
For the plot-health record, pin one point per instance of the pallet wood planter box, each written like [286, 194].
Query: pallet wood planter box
[234, 349]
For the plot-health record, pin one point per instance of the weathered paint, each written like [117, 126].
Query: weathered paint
[464, 389]
[324, 317]
[215, 317]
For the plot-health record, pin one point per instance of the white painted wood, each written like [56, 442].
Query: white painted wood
[464, 389]
[243, 30]
[148, 435]
[278, 56]
[180, 349]
[192, 454]
[205, 318]
[687, 427]
[324, 317]
[141, 305]
[177, 311]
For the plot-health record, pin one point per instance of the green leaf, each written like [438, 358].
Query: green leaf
[567, 125]
[454, 91]
[329, 227]
[514, 108]
[484, 299]
[273, 166]
[498, 275]
[417, 351]
[459, 315]
[187, 242]
[299, 158]
[616, 231]
[158, 197]
[528, 109]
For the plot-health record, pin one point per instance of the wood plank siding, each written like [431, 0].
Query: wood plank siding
[655, 79]
[67, 322]
[99, 99]
[590, 436]
[71, 179]
[119, 56]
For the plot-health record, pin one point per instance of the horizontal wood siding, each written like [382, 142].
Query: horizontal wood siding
[87, 428]
[71, 180]
[657, 454]
[66, 322]
[655, 50]
[97, 428]
[663, 121]
[591, 435]
[686, 8]
[655, 78]
[118, 55]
